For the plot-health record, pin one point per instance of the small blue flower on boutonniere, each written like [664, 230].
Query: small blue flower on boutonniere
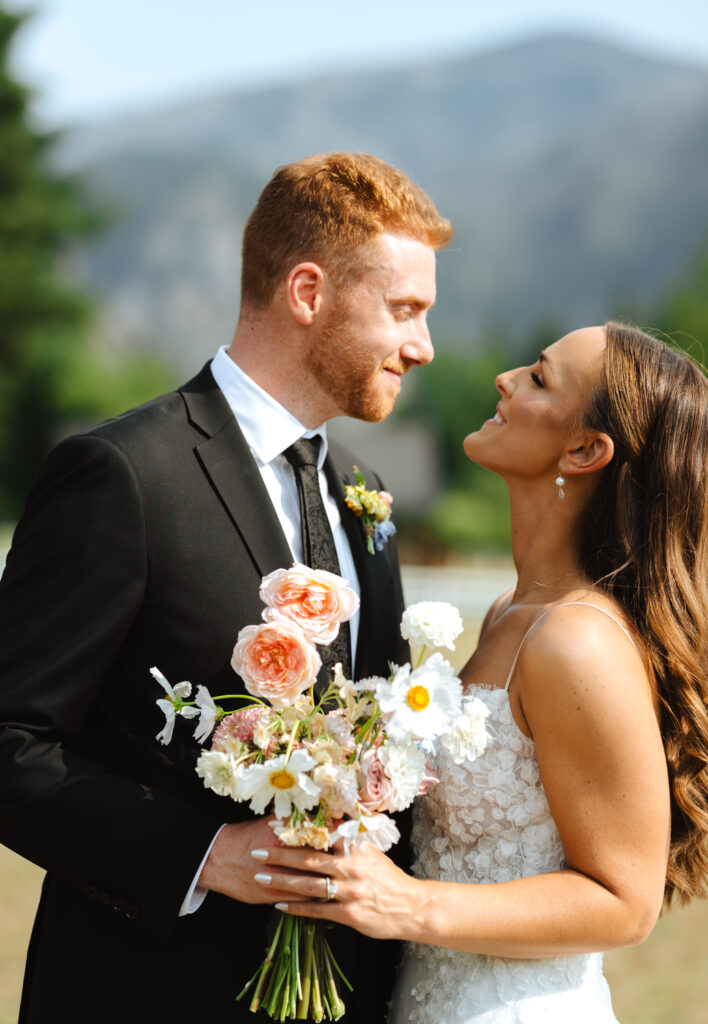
[373, 509]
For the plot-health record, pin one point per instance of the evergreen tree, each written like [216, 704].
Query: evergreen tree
[684, 313]
[41, 319]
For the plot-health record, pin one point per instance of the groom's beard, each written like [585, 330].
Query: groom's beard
[347, 370]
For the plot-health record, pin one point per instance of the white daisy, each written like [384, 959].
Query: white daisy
[405, 767]
[421, 704]
[172, 705]
[281, 779]
[207, 714]
[378, 829]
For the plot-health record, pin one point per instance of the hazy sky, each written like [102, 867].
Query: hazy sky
[90, 58]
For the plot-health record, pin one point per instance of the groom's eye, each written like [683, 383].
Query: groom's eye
[403, 312]
[537, 379]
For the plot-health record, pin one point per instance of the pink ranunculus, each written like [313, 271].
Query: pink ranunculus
[318, 601]
[376, 787]
[239, 724]
[276, 662]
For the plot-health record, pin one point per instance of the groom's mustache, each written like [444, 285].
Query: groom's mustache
[400, 367]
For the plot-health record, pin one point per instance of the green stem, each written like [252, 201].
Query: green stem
[297, 940]
[265, 969]
[335, 1000]
[255, 701]
[291, 742]
[420, 656]
[337, 968]
[317, 1011]
[303, 1005]
[279, 975]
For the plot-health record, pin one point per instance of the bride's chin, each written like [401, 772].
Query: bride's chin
[470, 446]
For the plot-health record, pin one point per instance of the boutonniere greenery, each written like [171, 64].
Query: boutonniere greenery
[373, 508]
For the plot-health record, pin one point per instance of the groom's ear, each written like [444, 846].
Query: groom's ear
[304, 286]
[593, 454]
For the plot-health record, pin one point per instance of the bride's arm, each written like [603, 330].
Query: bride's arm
[588, 704]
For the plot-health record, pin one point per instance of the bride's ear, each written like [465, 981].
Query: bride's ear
[590, 456]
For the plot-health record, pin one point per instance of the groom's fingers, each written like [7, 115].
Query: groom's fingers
[229, 867]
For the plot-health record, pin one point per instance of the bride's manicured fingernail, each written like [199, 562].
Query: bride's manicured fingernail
[260, 854]
[281, 906]
[263, 879]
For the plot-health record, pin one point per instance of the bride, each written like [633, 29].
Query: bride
[589, 807]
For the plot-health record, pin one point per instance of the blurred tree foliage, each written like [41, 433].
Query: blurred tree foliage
[455, 395]
[51, 378]
[683, 315]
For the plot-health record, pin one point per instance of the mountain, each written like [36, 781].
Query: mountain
[575, 173]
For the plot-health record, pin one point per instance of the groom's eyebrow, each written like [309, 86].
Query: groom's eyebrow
[543, 358]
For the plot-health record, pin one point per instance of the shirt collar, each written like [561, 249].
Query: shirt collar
[267, 426]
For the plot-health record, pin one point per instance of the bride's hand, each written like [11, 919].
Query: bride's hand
[367, 891]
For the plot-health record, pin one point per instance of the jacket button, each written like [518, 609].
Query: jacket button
[119, 905]
[91, 891]
[104, 898]
[132, 912]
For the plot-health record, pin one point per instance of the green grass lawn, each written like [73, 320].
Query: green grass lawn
[663, 981]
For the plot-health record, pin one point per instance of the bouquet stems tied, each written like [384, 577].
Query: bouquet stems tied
[296, 980]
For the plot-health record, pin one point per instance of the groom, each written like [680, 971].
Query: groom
[143, 543]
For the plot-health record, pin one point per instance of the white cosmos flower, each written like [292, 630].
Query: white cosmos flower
[171, 705]
[219, 771]
[378, 829]
[207, 714]
[420, 705]
[281, 779]
[405, 766]
[431, 624]
[467, 736]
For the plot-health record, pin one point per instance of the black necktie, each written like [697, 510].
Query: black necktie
[318, 547]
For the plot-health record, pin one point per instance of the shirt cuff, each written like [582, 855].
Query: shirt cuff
[196, 894]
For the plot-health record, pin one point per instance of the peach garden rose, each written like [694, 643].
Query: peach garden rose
[276, 662]
[318, 601]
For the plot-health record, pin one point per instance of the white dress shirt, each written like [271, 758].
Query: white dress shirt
[269, 429]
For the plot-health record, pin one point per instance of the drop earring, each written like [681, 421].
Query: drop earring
[560, 484]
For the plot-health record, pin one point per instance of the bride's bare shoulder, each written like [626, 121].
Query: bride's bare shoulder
[580, 647]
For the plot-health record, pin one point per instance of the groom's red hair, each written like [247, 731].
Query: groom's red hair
[325, 208]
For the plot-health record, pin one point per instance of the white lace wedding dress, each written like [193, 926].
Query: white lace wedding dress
[489, 821]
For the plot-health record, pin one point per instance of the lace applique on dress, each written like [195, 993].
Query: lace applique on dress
[489, 821]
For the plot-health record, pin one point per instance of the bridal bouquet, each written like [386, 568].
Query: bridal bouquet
[331, 768]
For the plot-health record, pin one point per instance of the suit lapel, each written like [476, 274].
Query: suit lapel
[231, 469]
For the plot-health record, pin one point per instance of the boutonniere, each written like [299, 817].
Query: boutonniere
[373, 509]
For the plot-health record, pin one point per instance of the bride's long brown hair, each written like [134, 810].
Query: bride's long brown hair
[645, 541]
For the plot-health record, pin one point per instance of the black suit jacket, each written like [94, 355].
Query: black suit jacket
[143, 543]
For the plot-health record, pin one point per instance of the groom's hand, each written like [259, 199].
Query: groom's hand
[230, 866]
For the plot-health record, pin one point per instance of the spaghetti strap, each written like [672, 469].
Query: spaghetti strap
[564, 604]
